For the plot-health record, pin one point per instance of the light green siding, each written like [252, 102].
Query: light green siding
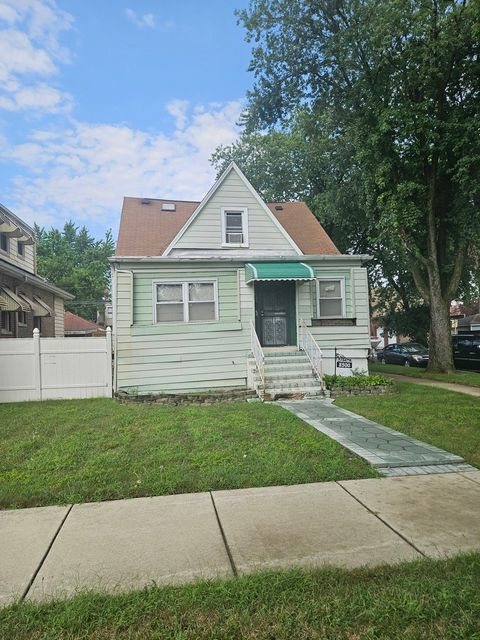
[174, 357]
[205, 232]
[356, 306]
[171, 357]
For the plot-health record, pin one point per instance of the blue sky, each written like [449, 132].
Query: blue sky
[108, 98]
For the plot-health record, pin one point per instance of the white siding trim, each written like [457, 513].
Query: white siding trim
[231, 167]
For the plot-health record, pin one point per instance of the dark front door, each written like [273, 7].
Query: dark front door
[275, 313]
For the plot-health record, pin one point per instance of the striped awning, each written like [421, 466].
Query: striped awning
[9, 301]
[46, 307]
[278, 271]
[38, 307]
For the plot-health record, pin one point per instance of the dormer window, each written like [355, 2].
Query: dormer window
[235, 227]
[4, 242]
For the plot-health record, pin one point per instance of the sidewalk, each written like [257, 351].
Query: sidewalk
[126, 544]
[449, 386]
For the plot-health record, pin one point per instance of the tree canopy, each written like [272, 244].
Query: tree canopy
[386, 95]
[73, 260]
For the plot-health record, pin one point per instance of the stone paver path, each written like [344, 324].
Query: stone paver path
[391, 452]
[449, 386]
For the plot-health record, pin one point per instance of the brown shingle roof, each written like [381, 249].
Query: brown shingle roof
[304, 229]
[146, 230]
[77, 323]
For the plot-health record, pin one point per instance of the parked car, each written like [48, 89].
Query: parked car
[466, 351]
[411, 354]
[378, 355]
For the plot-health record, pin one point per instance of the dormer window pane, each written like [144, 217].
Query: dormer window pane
[233, 227]
[3, 242]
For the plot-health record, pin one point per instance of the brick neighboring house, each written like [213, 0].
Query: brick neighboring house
[76, 326]
[27, 301]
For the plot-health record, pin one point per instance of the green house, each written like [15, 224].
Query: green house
[233, 292]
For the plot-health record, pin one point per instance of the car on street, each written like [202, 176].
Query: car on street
[411, 354]
[466, 351]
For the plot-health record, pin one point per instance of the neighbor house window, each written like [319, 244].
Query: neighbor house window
[4, 242]
[22, 317]
[235, 227]
[6, 322]
[21, 249]
[331, 298]
[194, 301]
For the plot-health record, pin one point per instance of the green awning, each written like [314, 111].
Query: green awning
[277, 271]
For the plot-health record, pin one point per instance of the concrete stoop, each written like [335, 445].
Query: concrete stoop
[288, 375]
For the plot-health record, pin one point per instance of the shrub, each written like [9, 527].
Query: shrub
[357, 381]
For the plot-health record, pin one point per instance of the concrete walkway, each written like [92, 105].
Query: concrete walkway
[392, 453]
[53, 552]
[449, 386]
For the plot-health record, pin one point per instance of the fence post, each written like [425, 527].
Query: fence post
[37, 364]
[108, 357]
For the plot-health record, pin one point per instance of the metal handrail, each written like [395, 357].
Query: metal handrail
[309, 345]
[258, 354]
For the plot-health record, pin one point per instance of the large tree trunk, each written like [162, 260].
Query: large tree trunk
[440, 342]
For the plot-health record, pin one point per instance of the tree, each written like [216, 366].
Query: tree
[392, 89]
[73, 260]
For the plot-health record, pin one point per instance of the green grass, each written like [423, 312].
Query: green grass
[424, 600]
[446, 419]
[471, 379]
[90, 450]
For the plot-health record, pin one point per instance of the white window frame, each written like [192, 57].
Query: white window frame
[185, 300]
[244, 212]
[340, 279]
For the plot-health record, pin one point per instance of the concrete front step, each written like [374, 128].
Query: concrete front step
[305, 376]
[274, 362]
[292, 388]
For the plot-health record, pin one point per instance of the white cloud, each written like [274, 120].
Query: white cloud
[178, 109]
[84, 171]
[145, 20]
[30, 55]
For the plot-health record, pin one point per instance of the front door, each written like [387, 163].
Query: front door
[275, 320]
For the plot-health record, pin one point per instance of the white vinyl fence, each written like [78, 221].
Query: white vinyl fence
[55, 368]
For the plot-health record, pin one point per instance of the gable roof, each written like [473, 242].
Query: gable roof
[232, 167]
[146, 230]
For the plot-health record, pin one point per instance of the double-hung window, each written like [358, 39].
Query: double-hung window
[331, 298]
[194, 301]
[235, 227]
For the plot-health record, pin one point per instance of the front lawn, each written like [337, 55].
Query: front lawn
[469, 378]
[89, 450]
[446, 419]
[427, 600]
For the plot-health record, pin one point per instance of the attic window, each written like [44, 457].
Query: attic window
[169, 206]
[235, 227]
